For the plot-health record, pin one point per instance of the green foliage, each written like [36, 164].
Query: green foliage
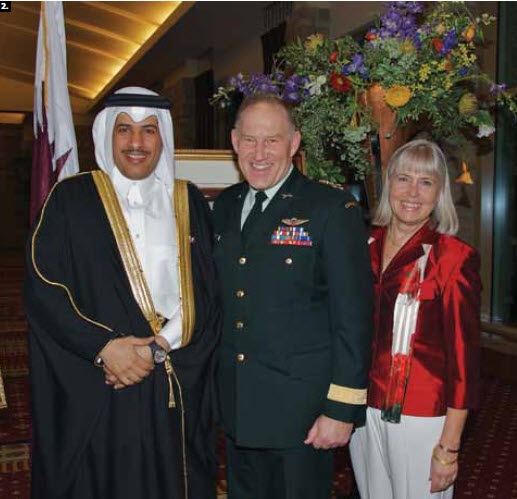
[426, 69]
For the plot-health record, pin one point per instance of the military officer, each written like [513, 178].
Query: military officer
[297, 294]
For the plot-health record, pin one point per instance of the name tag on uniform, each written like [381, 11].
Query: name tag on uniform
[292, 235]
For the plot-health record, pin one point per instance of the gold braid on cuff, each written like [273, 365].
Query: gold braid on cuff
[346, 395]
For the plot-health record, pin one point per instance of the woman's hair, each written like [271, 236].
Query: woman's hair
[420, 156]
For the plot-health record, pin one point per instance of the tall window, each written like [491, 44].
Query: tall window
[504, 284]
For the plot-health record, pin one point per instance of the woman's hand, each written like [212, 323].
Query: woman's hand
[443, 475]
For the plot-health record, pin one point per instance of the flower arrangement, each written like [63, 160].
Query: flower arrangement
[425, 61]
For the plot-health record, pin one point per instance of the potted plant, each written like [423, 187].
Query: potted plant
[421, 64]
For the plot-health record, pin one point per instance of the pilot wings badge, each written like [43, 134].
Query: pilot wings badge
[294, 222]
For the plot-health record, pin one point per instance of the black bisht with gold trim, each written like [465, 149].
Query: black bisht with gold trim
[297, 300]
[88, 439]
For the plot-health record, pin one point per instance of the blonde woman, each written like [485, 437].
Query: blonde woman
[425, 366]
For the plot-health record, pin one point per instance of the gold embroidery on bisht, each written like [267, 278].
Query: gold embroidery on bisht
[346, 395]
[58, 284]
[181, 212]
[131, 263]
[127, 249]
[351, 204]
[139, 284]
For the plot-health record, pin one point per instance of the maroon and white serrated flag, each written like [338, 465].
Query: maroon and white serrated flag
[54, 154]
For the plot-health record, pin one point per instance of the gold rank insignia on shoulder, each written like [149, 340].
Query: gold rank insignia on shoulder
[294, 222]
[351, 204]
[331, 184]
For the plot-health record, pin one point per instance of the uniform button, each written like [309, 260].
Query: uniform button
[240, 293]
[241, 357]
[242, 260]
[239, 324]
[289, 261]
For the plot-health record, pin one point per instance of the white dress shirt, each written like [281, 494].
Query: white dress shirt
[249, 200]
[148, 210]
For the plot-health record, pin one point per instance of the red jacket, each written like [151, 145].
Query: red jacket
[445, 364]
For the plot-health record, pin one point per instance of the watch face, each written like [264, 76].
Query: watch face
[159, 355]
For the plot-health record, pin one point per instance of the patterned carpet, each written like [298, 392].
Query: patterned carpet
[488, 462]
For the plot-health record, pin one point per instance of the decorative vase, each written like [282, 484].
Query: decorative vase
[391, 138]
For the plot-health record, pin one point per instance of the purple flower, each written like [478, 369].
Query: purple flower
[463, 71]
[391, 21]
[410, 7]
[291, 96]
[290, 84]
[496, 89]
[356, 66]
[302, 81]
[417, 42]
[261, 83]
[414, 7]
[399, 21]
[449, 41]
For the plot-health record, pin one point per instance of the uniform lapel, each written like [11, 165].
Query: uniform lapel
[235, 211]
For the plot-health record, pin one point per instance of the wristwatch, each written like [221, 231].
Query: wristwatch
[157, 352]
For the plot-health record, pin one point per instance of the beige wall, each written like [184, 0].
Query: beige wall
[348, 16]
[246, 57]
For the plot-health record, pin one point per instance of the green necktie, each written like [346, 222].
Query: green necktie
[253, 215]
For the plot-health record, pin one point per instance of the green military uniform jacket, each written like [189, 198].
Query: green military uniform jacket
[297, 317]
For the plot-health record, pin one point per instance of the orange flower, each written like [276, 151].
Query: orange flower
[333, 57]
[469, 32]
[397, 96]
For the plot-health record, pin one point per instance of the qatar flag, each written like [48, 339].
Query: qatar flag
[54, 154]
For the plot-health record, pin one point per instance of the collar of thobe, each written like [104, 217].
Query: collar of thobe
[137, 194]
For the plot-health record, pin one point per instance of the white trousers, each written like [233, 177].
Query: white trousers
[393, 461]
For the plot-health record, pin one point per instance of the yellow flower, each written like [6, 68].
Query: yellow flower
[468, 104]
[397, 96]
[407, 47]
[447, 84]
[469, 32]
[443, 64]
[440, 29]
[313, 42]
[423, 74]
